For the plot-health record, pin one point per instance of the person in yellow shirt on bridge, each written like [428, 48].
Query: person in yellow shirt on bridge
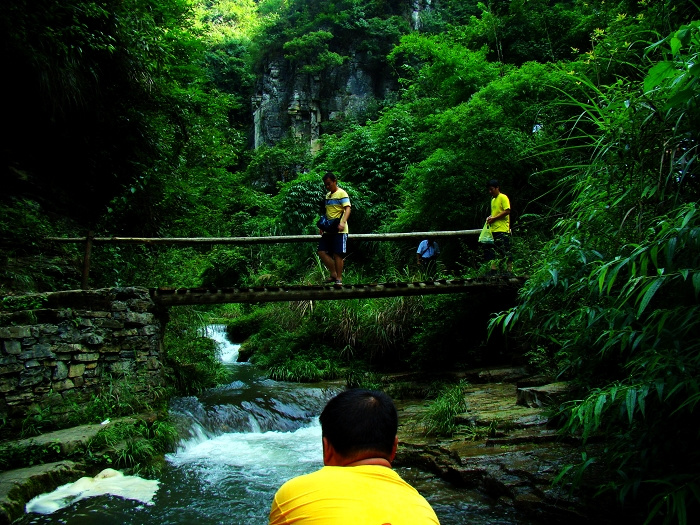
[499, 223]
[333, 245]
[356, 485]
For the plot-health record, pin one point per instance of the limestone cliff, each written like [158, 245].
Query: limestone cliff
[290, 102]
[298, 103]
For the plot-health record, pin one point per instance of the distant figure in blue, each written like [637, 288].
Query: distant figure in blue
[427, 253]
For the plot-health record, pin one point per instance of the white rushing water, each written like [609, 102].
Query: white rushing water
[247, 438]
[228, 351]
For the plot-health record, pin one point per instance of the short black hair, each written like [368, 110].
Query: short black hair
[359, 420]
[330, 175]
[493, 183]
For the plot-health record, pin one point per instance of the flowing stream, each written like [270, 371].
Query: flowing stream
[244, 440]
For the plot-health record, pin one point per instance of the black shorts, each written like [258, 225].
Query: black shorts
[333, 243]
[500, 249]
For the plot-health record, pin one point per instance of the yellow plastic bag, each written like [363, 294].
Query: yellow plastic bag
[486, 236]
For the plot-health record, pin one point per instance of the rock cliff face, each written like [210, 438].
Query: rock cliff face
[289, 102]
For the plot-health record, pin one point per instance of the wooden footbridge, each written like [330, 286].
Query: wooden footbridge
[266, 294]
[261, 294]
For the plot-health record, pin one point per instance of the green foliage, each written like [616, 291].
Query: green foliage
[301, 200]
[118, 396]
[132, 444]
[28, 263]
[615, 294]
[271, 166]
[440, 414]
[360, 377]
[490, 135]
[37, 419]
[441, 69]
[88, 76]
[317, 34]
[301, 370]
[296, 341]
[370, 162]
[311, 50]
[678, 75]
[22, 302]
[226, 268]
[224, 20]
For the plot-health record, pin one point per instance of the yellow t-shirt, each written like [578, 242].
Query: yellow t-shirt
[335, 205]
[498, 204]
[361, 495]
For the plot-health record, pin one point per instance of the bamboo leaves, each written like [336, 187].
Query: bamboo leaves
[615, 295]
[696, 284]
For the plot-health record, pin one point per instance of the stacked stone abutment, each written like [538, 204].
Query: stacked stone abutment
[66, 347]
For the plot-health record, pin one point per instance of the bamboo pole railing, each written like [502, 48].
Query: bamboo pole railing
[90, 240]
[259, 240]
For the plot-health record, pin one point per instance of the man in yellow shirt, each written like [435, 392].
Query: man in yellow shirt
[499, 223]
[356, 485]
[333, 245]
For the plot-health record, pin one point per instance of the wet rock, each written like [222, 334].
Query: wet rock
[536, 380]
[505, 449]
[499, 375]
[540, 396]
[543, 436]
[52, 445]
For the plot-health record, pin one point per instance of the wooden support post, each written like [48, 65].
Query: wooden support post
[86, 260]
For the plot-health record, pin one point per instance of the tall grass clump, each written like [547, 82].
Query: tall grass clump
[440, 417]
[316, 340]
[117, 396]
[133, 445]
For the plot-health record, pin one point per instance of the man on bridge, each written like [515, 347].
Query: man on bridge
[333, 245]
[499, 222]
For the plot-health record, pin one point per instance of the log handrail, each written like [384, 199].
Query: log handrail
[91, 240]
[261, 240]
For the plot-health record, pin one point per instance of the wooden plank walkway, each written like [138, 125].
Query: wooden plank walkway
[266, 294]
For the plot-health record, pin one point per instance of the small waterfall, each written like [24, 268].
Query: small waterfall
[228, 352]
[245, 439]
[250, 403]
[418, 7]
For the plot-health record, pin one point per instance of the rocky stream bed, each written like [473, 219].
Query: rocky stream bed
[507, 451]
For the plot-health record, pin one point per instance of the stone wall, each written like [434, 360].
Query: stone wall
[64, 347]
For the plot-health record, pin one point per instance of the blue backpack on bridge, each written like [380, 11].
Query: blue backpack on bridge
[328, 225]
[324, 223]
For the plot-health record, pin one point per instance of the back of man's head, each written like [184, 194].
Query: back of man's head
[360, 420]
